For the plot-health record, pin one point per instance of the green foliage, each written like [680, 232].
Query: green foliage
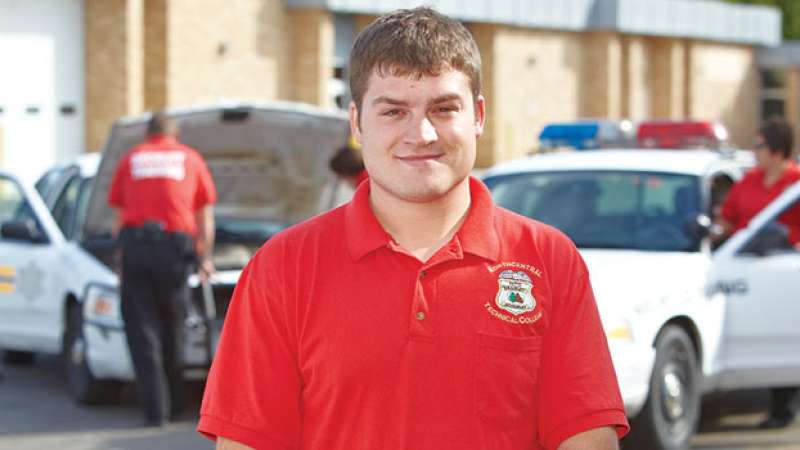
[791, 14]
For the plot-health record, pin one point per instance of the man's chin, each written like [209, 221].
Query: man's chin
[427, 192]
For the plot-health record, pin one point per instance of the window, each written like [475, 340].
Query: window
[65, 208]
[14, 207]
[47, 182]
[773, 93]
[613, 209]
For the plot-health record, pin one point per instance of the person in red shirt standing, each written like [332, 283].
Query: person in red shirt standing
[163, 193]
[420, 315]
[774, 172]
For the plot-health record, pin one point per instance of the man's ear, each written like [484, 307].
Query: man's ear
[355, 128]
[480, 115]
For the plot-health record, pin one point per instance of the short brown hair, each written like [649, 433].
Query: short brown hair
[416, 42]
[778, 136]
[161, 123]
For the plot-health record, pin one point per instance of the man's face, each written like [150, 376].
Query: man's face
[765, 159]
[418, 137]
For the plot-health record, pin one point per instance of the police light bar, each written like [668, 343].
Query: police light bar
[681, 134]
[585, 135]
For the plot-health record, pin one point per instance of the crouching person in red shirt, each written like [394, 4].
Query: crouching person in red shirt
[419, 315]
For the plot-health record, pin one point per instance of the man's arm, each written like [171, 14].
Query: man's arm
[604, 438]
[115, 227]
[204, 247]
[227, 444]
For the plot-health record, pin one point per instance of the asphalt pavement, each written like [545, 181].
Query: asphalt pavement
[36, 413]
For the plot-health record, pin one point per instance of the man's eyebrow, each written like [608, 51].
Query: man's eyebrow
[389, 100]
[445, 98]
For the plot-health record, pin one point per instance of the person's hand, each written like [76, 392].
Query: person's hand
[206, 268]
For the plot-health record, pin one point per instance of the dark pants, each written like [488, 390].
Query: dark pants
[155, 266]
[782, 402]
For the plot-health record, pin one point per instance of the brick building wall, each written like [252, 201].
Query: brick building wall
[146, 54]
[724, 85]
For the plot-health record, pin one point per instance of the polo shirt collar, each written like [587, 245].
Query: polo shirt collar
[477, 234]
[162, 139]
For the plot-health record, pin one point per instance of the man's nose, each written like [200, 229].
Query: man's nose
[421, 132]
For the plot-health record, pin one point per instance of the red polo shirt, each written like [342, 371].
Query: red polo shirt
[162, 180]
[748, 197]
[336, 338]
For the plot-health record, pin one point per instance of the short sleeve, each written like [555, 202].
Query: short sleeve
[206, 192]
[116, 192]
[578, 380]
[253, 390]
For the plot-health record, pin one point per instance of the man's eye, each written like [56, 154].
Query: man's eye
[446, 109]
[391, 112]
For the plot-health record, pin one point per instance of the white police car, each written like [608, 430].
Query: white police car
[681, 320]
[58, 290]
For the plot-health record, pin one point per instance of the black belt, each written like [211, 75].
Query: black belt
[153, 232]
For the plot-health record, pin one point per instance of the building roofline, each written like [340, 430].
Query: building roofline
[694, 19]
[781, 57]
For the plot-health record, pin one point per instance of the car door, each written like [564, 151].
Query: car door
[29, 241]
[758, 272]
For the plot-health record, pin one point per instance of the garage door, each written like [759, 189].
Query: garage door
[41, 84]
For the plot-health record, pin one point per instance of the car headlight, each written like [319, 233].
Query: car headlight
[101, 306]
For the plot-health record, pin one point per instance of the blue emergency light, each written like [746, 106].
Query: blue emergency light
[578, 135]
[587, 134]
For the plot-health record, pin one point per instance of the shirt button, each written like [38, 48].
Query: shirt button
[422, 274]
[420, 315]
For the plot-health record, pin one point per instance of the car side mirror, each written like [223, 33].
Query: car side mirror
[697, 227]
[23, 230]
[771, 238]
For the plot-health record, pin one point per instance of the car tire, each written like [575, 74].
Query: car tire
[83, 386]
[670, 415]
[17, 358]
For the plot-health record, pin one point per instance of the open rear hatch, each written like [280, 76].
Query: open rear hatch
[270, 166]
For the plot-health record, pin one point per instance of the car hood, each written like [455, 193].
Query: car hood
[268, 161]
[628, 282]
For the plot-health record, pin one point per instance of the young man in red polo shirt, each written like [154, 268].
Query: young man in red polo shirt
[164, 194]
[774, 172]
[420, 315]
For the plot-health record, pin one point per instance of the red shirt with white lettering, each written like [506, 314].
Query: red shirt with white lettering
[338, 339]
[162, 180]
[749, 196]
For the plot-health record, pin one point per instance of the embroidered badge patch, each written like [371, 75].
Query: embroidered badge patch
[515, 292]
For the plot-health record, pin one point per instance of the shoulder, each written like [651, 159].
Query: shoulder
[794, 172]
[521, 235]
[752, 176]
[307, 237]
[516, 226]
[190, 152]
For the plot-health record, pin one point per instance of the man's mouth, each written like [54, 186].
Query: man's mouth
[420, 158]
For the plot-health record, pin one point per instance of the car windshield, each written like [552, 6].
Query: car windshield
[607, 209]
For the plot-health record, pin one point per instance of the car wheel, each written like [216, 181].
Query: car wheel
[83, 386]
[13, 357]
[670, 415]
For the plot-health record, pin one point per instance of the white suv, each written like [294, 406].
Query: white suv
[58, 290]
[681, 319]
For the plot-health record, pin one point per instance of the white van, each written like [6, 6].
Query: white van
[58, 290]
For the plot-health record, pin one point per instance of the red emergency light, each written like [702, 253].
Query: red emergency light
[681, 134]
